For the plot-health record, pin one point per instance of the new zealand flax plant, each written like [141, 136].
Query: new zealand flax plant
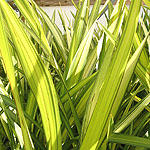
[57, 93]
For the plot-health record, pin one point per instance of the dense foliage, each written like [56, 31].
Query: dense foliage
[57, 92]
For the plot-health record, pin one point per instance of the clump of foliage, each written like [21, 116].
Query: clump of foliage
[57, 93]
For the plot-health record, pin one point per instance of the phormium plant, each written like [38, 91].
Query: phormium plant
[57, 92]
